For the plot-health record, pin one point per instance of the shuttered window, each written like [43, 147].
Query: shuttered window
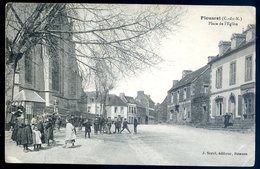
[232, 73]
[248, 66]
[219, 78]
[239, 113]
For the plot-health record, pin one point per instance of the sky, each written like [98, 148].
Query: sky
[187, 49]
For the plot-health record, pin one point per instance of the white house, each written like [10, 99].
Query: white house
[233, 77]
[115, 106]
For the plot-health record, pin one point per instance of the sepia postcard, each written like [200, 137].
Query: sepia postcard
[130, 84]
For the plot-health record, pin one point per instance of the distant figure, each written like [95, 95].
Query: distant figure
[96, 125]
[135, 124]
[101, 124]
[125, 126]
[109, 124]
[226, 120]
[87, 124]
[118, 125]
[231, 119]
[58, 123]
[70, 133]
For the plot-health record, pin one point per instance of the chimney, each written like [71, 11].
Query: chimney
[185, 72]
[210, 58]
[174, 82]
[236, 40]
[121, 95]
[250, 32]
[140, 92]
[223, 47]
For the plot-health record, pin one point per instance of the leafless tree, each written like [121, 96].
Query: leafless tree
[119, 38]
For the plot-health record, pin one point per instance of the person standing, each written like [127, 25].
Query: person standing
[109, 124]
[118, 124]
[49, 131]
[70, 133]
[41, 128]
[101, 124]
[87, 124]
[115, 123]
[26, 135]
[125, 126]
[96, 125]
[15, 130]
[135, 124]
[58, 123]
[226, 120]
[36, 139]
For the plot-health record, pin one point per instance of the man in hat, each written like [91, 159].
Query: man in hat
[87, 124]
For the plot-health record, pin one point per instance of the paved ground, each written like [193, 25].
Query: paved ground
[152, 145]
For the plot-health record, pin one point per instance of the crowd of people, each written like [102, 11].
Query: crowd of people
[36, 132]
[109, 126]
[40, 129]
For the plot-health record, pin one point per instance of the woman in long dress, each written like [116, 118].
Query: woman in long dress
[70, 134]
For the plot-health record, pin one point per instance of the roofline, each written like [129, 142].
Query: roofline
[192, 80]
[233, 51]
[201, 73]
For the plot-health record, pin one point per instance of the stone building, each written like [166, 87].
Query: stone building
[131, 107]
[47, 78]
[146, 102]
[233, 79]
[162, 114]
[188, 98]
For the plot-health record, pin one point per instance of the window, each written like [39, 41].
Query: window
[92, 100]
[219, 78]
[206, 89]
[232, 73]
[172, 97]
[178, 96]
[248, 71]
[115, 109]
[184, 93]
[122, 109]
[219, 107]
[89, 108]
[28, 69]
[55, 74]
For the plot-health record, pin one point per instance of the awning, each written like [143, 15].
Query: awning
[28, 96]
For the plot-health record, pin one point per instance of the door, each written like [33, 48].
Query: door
[248, 106]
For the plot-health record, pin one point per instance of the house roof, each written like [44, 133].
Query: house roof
[131, 100]
[149, 99]
[111, 100]
[114, 100]
[229, 51]
[189, 78]
[28, 96]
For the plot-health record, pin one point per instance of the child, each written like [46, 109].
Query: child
[36, 139]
